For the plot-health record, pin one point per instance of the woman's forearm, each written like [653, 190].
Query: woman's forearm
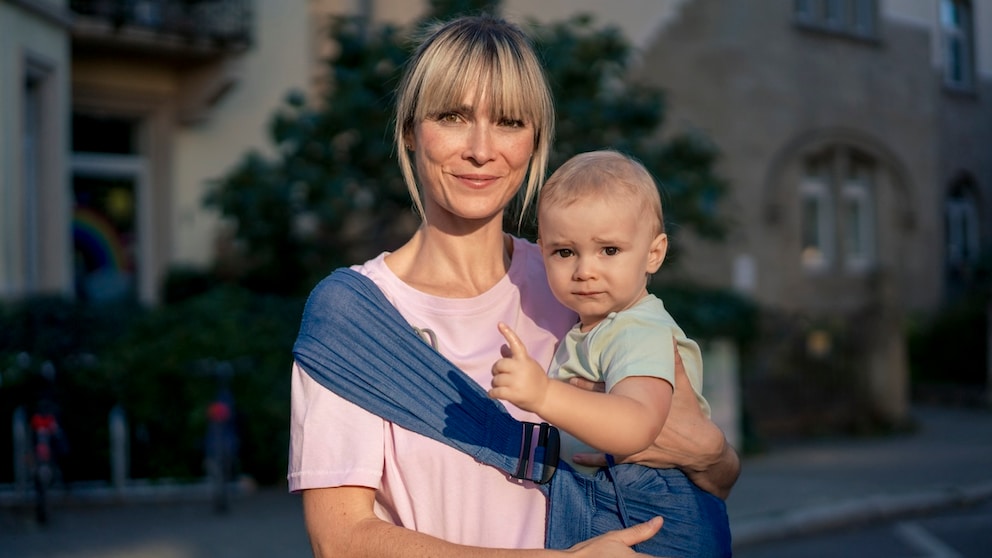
[341, 524]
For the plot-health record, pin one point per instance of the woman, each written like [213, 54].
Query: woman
[474, 120]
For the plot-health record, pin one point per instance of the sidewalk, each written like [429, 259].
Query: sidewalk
[946, 461]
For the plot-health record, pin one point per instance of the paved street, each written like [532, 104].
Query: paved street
[959, 532]
[268, 524]
[920, 493]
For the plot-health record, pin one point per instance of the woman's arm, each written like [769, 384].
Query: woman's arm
[689, 441]
[341, 523]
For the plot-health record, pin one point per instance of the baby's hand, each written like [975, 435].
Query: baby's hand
[517, 377]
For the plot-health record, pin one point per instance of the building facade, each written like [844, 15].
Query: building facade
[116, 115]
[855, 136]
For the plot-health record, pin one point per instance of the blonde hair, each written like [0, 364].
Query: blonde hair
[607, 175]
[496, 59]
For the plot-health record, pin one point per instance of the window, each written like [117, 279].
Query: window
[845, 17]
[962, 227]
[963, 238]
[817, 249]
[107, 188]
[956, 27]
[837, 220]
[862, 18]
[856, 216]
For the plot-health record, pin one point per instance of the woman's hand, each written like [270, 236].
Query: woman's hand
[689, 441]
[618, 543]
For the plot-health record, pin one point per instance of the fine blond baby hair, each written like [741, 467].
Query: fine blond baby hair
[608, 175]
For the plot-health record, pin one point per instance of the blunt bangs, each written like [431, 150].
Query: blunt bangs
[494, 71]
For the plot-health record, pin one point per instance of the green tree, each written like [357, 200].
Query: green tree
[332, 194]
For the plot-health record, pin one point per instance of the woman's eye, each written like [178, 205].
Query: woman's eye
[450, 117]
[511, 123]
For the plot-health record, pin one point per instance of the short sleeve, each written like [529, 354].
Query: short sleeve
[332, 441]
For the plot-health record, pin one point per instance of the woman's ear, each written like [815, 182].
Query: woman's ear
[657, 252]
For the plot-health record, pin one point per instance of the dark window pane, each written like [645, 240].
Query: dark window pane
[100, 134]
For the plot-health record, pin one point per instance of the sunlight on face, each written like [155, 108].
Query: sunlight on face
[598, 254]
[471, 163]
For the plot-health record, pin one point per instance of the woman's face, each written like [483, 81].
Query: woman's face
[470, 166]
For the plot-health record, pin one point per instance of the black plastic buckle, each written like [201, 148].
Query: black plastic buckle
[545, 453]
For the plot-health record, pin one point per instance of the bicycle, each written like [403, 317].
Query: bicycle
[220, 450]
[45, 432]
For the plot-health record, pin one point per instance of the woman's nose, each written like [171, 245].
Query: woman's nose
[480, 146]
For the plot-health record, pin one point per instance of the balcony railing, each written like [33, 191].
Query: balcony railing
[222, 22]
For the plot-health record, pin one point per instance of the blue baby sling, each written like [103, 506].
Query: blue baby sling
[355, 343]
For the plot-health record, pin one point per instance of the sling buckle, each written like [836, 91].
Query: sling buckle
[539, 461]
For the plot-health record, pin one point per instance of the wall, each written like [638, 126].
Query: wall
[33, 39]
[279, 61]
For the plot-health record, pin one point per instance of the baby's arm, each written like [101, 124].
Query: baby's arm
[624, 421]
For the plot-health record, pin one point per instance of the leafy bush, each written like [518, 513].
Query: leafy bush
[170, 365]
[161, 366]
[50, 348]
[951, 347]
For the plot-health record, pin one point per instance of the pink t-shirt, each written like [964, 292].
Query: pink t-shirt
[420, 483]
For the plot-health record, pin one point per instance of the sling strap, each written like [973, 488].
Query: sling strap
[355, 343]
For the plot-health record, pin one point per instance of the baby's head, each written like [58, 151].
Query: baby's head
[611, 177]
[601, 233]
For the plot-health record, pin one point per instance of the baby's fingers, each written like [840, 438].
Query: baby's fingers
[515, 346]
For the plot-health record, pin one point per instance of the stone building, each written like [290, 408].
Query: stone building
[855, 136]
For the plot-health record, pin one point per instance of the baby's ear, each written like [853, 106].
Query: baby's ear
[657, 252]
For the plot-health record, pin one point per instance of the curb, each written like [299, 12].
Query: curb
[134, 492]
[841, 514]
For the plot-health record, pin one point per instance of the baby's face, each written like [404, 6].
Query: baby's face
[598, 255]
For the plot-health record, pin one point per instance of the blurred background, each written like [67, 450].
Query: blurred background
[176, 174]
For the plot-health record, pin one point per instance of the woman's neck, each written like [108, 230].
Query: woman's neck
[450, 265]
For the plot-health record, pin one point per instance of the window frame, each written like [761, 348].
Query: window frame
[850, 18]
[858, 191]
[814, 191]
[957, 44]
[962, 227]
[832, 181]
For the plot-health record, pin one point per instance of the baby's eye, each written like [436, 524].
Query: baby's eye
[563, 252]
[611, 250]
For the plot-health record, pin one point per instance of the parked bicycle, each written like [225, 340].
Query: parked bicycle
[45, 434]
[221, 449]
[221, 438]
[38, 436]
